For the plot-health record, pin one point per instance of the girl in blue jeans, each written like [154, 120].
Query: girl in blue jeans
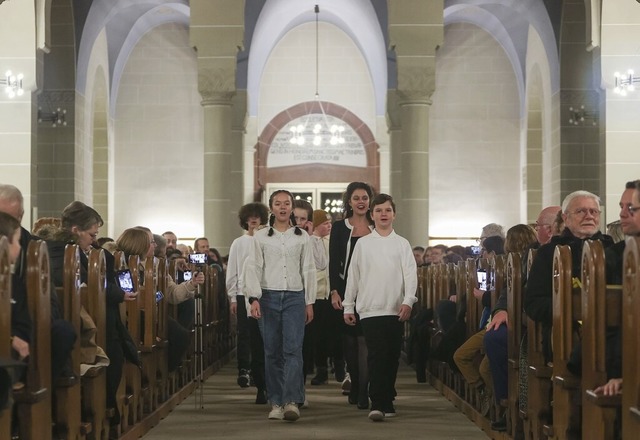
[280, 281]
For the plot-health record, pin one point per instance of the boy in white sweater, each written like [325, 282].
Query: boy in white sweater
[381, 286]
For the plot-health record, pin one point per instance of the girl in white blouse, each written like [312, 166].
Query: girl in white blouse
[280, 281]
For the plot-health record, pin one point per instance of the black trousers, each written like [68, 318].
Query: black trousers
[243, 342]
[383, 335]
[327, 332]
[257, 354]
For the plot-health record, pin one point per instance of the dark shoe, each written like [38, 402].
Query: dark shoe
[261, 397]
[339, 371]
[363, 403]
[352, 400]
[500, 425]
[421, 376]
[321, 377]
[243, 378]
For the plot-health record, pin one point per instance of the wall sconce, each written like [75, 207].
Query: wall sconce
[625, 83]
[578, 116]
[56, 118]
[13, 84]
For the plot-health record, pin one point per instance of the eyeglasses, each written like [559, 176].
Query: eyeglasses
[633, 209]
[582, 212]
[539, 225]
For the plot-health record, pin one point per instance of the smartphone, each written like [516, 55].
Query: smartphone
[159, 296]
[125, 281]
[476, 250]
[198, 258]
[482, 279]
[186, 275]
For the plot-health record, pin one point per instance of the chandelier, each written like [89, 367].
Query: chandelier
[625, 83]
[13, 84]
[56, 118]
[316, 129]
[579, 115]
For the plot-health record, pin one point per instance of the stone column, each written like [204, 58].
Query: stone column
[238, 130]
[217, 30]
[395, 146]
[217, 162]
[415, 32]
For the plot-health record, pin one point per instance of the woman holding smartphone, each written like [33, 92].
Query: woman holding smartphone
[280, 281]
[344, 235]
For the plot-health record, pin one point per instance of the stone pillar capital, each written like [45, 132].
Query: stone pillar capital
[415, 85]
[216, 85]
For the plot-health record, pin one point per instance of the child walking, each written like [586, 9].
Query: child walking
[381, 287]
[280, 281]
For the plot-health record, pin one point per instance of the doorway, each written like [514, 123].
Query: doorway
[326, 196]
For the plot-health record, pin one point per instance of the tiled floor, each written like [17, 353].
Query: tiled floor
[229, 412]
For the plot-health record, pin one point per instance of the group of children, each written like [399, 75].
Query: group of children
[274, 275]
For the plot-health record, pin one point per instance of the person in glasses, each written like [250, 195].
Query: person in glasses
[630, 225]
[581, 215]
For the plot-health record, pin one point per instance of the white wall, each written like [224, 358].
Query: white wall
[158, 148]
[474, 167]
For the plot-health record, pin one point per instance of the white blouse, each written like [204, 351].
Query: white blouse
[283, 261]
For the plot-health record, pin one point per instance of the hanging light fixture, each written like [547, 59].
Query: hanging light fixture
[300, 134]
[580, 115]
[625, 83]
[13, 84]
[56, 118]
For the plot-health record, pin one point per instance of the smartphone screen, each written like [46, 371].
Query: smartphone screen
[186, 275]
[124, 280]
[482, 279]
[198, 258]
[159, 296]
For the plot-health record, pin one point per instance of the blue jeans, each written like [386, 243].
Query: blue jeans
[283, 316]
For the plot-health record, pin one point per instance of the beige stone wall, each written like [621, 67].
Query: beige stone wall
[158, 147]
[290, 74]
[475, 136]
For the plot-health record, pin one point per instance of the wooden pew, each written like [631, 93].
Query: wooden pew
[539, 379]
[601, 310]
[34, 400]
[514, 336]
[631, 341]
[566, 311]
[5, 326]
[162, 312]
[67, 397]
[94, 382]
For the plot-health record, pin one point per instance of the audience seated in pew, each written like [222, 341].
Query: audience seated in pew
[479, 377]
[79, 225]
[519, 239]
[630, 225]
[62, 334]
[138, 241]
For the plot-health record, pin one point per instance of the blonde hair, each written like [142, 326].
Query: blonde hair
[134, 241]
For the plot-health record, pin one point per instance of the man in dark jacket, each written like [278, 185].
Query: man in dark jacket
[581, 215]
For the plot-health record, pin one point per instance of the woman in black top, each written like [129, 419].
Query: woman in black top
[344, 235]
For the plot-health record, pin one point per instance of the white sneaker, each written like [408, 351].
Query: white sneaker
[276, 413]
[376, 415]
[346, 385]
[291, 412]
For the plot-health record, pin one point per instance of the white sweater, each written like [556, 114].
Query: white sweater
[382, 276]
[238, 253]
[283, 261]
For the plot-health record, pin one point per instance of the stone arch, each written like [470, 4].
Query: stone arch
[317, 172]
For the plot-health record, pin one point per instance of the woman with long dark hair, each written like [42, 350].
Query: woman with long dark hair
[344, 234]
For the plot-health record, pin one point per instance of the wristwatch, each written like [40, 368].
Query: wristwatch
[252, 299]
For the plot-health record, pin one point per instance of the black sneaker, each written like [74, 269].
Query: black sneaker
[261, 397]
[243, 378]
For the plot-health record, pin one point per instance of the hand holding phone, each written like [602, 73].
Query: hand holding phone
[124, 280]
[481, 274]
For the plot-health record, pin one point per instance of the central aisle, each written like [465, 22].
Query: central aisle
[230, 412]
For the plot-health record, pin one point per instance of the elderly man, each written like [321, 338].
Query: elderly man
[581, 215]
[62, 334]
[544, 224]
